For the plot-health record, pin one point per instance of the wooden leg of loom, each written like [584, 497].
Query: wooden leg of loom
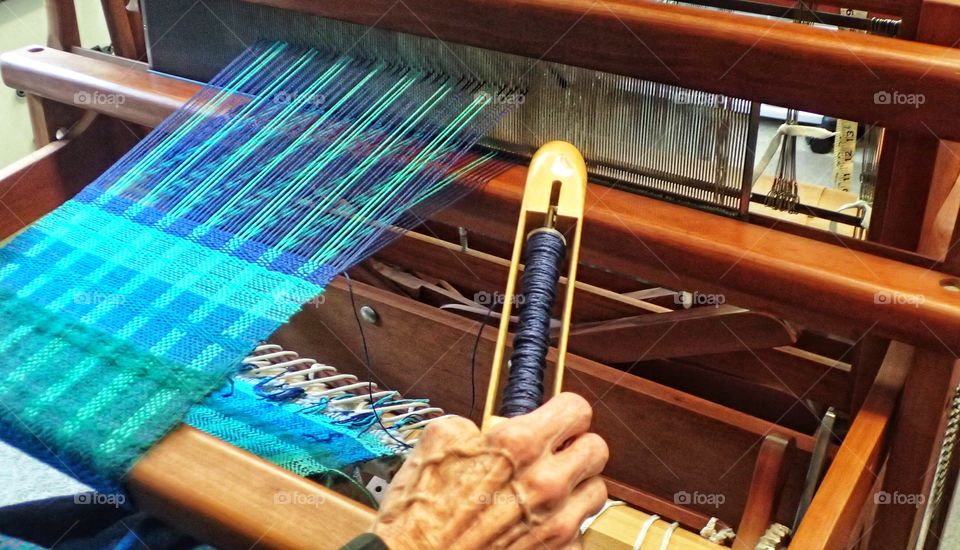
[915, 441]
[836, 508]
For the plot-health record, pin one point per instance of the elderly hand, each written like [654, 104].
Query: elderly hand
[528, 482]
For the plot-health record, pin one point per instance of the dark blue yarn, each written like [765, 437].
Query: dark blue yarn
[543, 254]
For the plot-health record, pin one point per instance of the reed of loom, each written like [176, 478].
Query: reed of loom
[834, 81]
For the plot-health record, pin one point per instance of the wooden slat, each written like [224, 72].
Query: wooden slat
[915, 445]
[835, 510]
[764, 492]
[684, 333]
[778, 62]
[232, 499]
[148, 98]
[44, 179]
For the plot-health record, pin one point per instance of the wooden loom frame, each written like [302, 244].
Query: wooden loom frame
[614, 214]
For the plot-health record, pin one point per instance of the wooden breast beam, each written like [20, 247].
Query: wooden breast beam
[834, 288]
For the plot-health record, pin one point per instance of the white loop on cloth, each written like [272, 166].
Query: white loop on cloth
[642, 535]
[667, 535]
[797, 130]
[589, 521]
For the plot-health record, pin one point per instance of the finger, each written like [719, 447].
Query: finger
[443, 432]
[584, 458]
[545, 429]
[563, 527]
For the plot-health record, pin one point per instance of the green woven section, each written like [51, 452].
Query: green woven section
[81, 380]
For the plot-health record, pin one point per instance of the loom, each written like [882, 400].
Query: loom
[747, 372]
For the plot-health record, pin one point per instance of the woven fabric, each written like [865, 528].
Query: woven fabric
[132, 301]
[283, 433]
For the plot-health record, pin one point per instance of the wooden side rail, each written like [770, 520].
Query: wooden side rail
[819, 284]
[829, 522]
[778, 62]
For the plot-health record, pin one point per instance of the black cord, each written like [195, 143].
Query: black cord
[366, 358]
[473, 360]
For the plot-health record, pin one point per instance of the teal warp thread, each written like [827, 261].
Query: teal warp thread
[128, 304]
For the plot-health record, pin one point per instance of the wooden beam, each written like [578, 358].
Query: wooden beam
[36, 184]
[232, 499]
[914, 448]
[764, 492]
[773, 61]
[835, 510]
[683, 333]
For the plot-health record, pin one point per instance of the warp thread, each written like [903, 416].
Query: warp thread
[288, 168]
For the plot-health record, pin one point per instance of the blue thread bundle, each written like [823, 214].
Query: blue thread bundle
[543, 254]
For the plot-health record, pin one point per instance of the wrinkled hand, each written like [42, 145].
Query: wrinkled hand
[526, 483]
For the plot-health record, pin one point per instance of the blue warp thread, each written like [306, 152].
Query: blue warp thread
[543, 254]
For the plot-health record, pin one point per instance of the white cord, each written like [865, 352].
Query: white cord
[644, 529]
[344, 391]
[667, 535]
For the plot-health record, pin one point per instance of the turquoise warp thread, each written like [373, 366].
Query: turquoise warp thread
[125, 306]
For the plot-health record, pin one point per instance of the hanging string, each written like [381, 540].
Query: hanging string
[366, 358]
[543, 253]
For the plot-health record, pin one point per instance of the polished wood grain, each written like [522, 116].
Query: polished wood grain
[44, 179]
[777, 62]
[764, 491]
[230, 498]
[829, 522]
[683, 333]
[914, 448]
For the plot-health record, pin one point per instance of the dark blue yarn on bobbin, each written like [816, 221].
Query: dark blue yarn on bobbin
[543, 254]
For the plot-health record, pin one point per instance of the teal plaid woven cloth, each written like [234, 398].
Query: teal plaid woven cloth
[127, 305]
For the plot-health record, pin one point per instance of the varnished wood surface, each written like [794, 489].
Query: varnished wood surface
[44, 179]
[148, 98]
[232, 499]
[836, 508]
[819, 284]
[683, 333]
[777, 62]
[764, 491]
